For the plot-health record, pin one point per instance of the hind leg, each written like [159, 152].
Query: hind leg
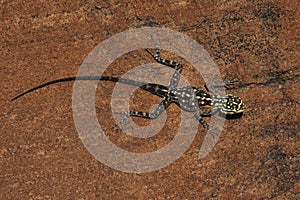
[170, 63]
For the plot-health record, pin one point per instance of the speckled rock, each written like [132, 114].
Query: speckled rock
[256, 157]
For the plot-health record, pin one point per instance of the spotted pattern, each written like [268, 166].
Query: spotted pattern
[190, 99]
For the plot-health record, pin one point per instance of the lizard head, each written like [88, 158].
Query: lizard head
[229, 105]
[232, 105]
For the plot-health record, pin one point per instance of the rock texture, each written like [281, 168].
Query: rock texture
[256, 157]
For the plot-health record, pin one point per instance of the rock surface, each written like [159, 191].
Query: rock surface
[256, 157]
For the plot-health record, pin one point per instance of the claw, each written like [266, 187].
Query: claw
[231, 82]
[150, 52]
[125, 120]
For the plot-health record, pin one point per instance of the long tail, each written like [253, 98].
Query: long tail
[104, 78]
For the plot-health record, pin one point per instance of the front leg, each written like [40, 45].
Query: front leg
[228, 84]
[198, 115]
[170, 63]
